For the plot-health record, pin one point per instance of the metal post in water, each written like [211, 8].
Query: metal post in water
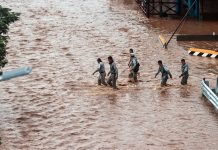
[178, 8]
[148, 8]
[216, 89]
[206, 82]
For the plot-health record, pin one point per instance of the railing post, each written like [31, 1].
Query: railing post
[178, 6]
[216, 89]
[161, 8]
[206, 82]
[209, 93]
[148, 8]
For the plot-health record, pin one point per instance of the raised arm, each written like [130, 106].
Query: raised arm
[170, 74]
[116, 70]
[96, 70]
[109, 73]
[157, 72]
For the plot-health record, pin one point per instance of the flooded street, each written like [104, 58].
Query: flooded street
[59, 105]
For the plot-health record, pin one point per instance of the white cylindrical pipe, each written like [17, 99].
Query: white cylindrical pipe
[15, 73]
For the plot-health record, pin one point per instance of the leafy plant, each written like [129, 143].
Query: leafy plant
[6, 18]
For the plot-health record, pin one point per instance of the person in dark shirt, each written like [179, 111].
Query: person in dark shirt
[102, 73]
[113, 73]
[185, 72]
[165, 73]
[134, 67]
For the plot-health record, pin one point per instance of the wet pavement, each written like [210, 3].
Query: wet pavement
[59, 105]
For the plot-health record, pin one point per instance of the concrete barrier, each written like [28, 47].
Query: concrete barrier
[210, 94]
[203, 52]
[197, 37]
[15, 73]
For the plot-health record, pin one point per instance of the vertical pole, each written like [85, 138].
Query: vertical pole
[197, 9]
[153, 6]
[160, 5]
[216, 89]
[178, 6]
[202, 8]
[189, 3]
[148, 8]
[206, 82]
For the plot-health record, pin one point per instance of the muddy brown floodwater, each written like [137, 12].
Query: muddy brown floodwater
[59, 105]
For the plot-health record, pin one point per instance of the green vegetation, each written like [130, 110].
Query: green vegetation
[6, 18]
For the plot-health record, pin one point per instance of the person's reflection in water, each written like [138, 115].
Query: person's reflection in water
[112, 98]
[164, 94]
[164, 98]
[184, 92]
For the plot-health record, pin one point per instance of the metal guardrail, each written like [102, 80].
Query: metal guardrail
[210, 94]
[159, 7]
[15, 73]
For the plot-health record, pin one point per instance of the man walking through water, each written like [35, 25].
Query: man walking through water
[102, 73]
[185, 74]
[134, 67]
[130, 52]
[165, 73]
[113, 73]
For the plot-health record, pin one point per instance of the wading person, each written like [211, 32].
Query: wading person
[102, 73]
[185, 74]
[134, 67]
[1, 71]
[113, 73]
[130, 58]
[165, 73]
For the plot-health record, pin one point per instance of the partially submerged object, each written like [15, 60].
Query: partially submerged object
[15, 73]
[183, 37]
[210, 94]
[163, 41]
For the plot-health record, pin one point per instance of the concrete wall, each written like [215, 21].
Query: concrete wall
[210, 6]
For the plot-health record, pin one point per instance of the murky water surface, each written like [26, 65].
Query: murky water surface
[59, 106]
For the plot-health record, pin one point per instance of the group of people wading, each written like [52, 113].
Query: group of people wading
[134, 68]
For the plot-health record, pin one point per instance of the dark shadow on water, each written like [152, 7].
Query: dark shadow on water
[164, 93]
[112, 98]
[185, 91]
